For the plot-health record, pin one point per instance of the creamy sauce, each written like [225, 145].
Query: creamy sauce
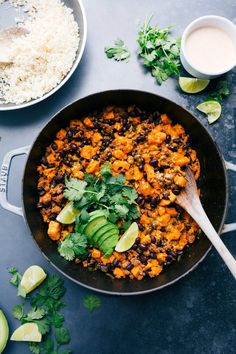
[210, 49]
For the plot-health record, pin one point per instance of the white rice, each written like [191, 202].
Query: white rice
[42, 58]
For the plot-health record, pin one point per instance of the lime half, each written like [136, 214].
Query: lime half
[68, 214]
[212, 109]
[32, 277]
[28, 332]
[4, 331]
[128, 238]
[192, 85]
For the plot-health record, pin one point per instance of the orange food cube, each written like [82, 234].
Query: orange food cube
[93, 166]
[88, 152]
[87, 121]
[54, 230]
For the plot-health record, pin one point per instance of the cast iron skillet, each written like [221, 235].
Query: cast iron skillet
[213, 184]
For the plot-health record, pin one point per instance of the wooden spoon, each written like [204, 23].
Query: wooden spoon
[6, 37]
[189, 200]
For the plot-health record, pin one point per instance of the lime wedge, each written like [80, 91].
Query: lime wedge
[128, 238]
[212, 109]
[4, 331]
[28, 332]
[68, 214]
[192, 85]
[32, 277]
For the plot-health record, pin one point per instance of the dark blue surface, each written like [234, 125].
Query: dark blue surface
[196, 315]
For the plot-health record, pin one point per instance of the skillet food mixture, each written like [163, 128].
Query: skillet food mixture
[113, 168]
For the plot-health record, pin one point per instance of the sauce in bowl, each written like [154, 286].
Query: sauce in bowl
[210, 49]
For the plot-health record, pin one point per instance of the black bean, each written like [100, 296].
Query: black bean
[169, 258]
[179, 253]
[130, 266]
[177, 141]
[63, 154]
[59, 178]
[173, 148]
[69, 134]
[44, 161]
[176, 191]
[53, 216]
[137, 240]
[156, 169]
[109, 155]
[148, 199]
[141, 138]
[143, 259]
[179, 216]
[187, 227]
[168, 138]
[141, 166]
[54, 146]
[156, 114]
[102, 148]
[115, 262]
[51, 165]
[125, 115]
[160, 243]
[39, 205]
[141, 227]
[139, 250]
[85, 142]
[95, 157]
[153, 162]
[167, 263]
[66, 162]
[145, 174]
[140, 199]
[143, 247]
[153, 255]
[41, 191]
[135, 246]
[153, 239]
[120, 133]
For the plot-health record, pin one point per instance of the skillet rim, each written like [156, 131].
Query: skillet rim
[113, 91]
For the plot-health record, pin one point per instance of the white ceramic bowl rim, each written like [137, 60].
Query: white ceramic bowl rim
[74, 66]
[188, 30]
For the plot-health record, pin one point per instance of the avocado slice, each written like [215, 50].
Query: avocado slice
[95, 214]
[109, 244]
[106, 236]
[104, 230]
[93, 226]
[4, 331]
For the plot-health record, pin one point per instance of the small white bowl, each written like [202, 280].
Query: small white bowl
[213, 21]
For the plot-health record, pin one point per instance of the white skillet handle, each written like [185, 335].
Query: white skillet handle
[229, 227]
[5, 169]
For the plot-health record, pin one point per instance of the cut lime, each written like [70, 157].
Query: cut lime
[68, 214]
[192, 85]
[4, 331]
[32, 277]
[28, 332]
[128, 238]
[212, 109]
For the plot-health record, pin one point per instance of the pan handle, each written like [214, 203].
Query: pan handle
[229, 227]
[5, 169]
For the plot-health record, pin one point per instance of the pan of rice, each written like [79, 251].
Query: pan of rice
[44, 58]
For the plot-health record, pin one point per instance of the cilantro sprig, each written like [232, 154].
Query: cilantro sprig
[118, 52]
[44, 310]
[159, 51]
[91, 302]
[74, 245]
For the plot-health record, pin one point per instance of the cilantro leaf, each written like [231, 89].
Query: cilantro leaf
[43, 325]
[48, 346]
[91, 302]
[130, 193]
[21, 291]
[35, 314]
[74, 189]
[34, 348]
[62, 335]
[18, 311]
[74, 245]
[221, 91]
[16, 276]
[121, 210]
[105, 170]
[119, 51]
[57, 319]
[159, 51]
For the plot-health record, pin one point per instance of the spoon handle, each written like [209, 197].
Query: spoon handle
[199, 215]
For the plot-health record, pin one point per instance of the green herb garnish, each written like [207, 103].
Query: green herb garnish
[220, 92]
[16, 276]
[105, 192]
[74, 245]
[118, 52]
[159, 51]
[44, 311]
[91, 302]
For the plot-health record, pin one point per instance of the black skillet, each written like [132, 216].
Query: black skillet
[213, 184]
